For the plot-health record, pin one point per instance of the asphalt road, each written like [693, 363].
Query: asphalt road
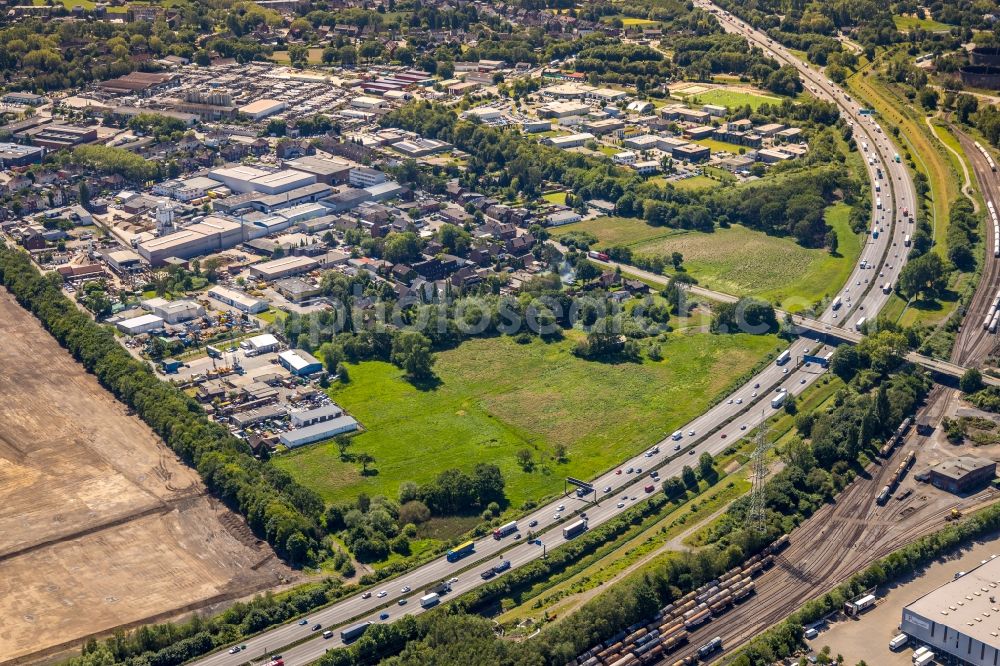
[714, 431]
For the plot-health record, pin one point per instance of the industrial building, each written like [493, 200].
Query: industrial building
[263, 344]
[242, 179]
[570, 140]
[318, 431]
[366, 177]
[299, 362]
[174, 312]
[279, 268]
[238, 299]
[15, 155]
[301, 418]
[960, 618]
[253, 416]
[331, 171]
[262, 108]
[210, 235]
[962, 473]
[141, 324]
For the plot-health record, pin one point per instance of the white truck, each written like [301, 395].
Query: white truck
[898, 642]
[428, 600]
[778, 400]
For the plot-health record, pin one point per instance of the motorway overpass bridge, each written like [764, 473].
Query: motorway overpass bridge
[815, 328]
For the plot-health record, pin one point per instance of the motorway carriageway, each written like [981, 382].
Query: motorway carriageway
[719, 428]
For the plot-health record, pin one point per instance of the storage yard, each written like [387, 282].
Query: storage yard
[100, 524]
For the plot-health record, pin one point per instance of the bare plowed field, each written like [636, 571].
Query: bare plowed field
[100, 524]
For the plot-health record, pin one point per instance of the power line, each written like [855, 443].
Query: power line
[756, 519]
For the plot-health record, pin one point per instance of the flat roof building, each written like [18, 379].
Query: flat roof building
[962, 473]
[570, 140]
[210, 235]
[141, 324]
[961, 618]
[331, 171]
[299, 362]
[263, 343]
[318, 431]
[301, 418]
[238, 299]
[366, 177]
[15, 155]
[279, 268]
[263, 108]
[175, 312]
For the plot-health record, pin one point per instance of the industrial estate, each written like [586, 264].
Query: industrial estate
[609, 333]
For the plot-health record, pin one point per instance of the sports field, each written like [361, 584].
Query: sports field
[496, 397]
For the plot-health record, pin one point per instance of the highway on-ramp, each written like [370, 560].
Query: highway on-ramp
[714, 431]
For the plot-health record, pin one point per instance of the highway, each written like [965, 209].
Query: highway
[714, 431]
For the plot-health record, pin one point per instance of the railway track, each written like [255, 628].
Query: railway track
[974, 343]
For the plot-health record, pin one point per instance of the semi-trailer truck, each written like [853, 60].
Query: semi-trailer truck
[783, 357]
[429, 600]
[354, 632]
[504, 530]
[570, 531]
[778, 400]
[898, 642]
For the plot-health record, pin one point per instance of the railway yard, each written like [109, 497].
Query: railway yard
[839, 540]
[96, 513]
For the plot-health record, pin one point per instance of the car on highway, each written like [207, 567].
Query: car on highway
[784, 371]
[620, 504]
[638, 470]
[754, 394]
[739, 401]
[406, 588]
[618, 471]
[234, 650]
[690, 433]
[756, 385]
[691, 452]
[743, 427]
[383, 594]
[802, 381]
[383, 616]
[630, 470]
[624, 496]
[607, 489]
[558, 516]
[454, 579]
[366, 595]
[677, 447]
[517, 536]
[303, 623]
[531, 524]
[401, 602]
[561, 507]
[317, 626]
[729, 402]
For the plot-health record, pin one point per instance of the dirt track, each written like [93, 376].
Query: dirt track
[100, 524]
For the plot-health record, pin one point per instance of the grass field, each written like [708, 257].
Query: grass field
[695, 183]
[745, 262]
[555, 197]
[616, 230]
[909, 22]
[721, 146]
[496, 397]
[735, 98]
[314, 57]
